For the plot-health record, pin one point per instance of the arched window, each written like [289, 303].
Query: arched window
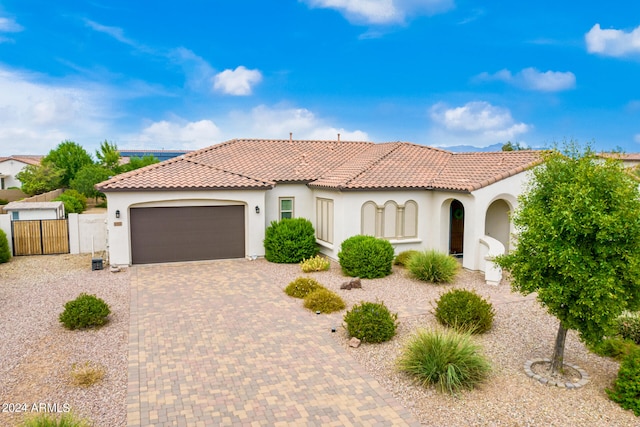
[390, 221]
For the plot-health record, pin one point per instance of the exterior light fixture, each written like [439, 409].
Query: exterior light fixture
[257, 209]
[117, 214]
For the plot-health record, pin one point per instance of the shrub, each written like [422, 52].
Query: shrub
[5, 252]
[628, 326]
[324, 300]
[290, 240]
[86, 374]
[316, 263]
[403, 257]
[84, 311]
[79, 196]
[49, 420]
[464, 310]
[614, 347]
[447, 359]
[366, 256]
[371, 322]
[302, 286]
[626, 388]
[3, 201]
[433, 266]
[71, 204]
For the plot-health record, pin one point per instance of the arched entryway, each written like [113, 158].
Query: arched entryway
[456, 228]
[496, 223]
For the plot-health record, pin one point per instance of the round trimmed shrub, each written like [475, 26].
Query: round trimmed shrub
[324, 300]
[371, 322]
[447, 359]
[366, 256]
[433, 266]
[302, 286]
[290, 240]
[403, 257]
[84, 311]
[465, 310]
[5, 252]
[626, 388]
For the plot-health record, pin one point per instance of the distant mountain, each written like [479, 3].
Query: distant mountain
[470, 148]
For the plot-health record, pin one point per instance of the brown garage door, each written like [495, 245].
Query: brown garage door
[170, 234]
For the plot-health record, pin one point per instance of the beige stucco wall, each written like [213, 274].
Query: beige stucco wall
[87, 233]
[304, 204]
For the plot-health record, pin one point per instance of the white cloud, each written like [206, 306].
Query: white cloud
[276, 122]
[636, 138]
[475, 123]
[613, 42]
[382, 11]
[115, 32]
[175, 134]
[8, 25]
[532, 79]
[237, 82]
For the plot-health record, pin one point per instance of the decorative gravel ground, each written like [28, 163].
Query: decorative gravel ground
[37, 353]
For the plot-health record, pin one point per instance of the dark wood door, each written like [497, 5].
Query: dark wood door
[456, 235]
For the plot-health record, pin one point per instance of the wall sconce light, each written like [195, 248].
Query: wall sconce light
[117, 214]
[257, 209]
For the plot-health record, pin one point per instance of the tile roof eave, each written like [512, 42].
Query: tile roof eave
[217, 188]
[502, 176]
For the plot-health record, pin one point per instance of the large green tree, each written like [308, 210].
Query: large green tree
[69, 157]
[139, 162]
[87, 177]
[109, 157]
[578, 243]
[38, 179]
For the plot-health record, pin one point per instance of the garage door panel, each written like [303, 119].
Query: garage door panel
[170, 234]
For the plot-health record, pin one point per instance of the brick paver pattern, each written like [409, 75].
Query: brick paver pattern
[218, 344]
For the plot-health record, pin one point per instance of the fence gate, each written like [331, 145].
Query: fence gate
[40, 237]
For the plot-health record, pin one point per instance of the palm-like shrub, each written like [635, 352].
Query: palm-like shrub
[464, 310]
[433, 266]
[371, 322]
[626, 388]
[302, 286]
[366, 256]
[5, 252]
[316, 263]
[290, 240]
[84, 311]
[403, 257]
[324, 300]
[449, 360]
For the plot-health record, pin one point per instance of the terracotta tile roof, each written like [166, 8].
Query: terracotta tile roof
[25, 158]
[339, 165]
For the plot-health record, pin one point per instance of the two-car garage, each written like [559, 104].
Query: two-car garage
[186, 233]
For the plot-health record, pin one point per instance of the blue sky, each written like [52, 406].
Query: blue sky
[185, 75]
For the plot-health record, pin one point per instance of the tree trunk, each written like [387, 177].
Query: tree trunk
[558, 352]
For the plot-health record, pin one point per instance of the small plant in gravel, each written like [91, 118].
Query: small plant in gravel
[366, 256]
[50, 420]
[86, 374]
[447, 359]
[316, 263]
[403, 257]
[371, 322]
[464, 310]
[324, 300]
[290, 240]
[302, 286]
[84, 312]
[628, 326]
[5, 252]
[433, 266]
[626, 388]
[614, 347]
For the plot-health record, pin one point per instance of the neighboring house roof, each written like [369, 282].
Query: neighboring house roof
[26, 159]
[161, 155]
[32, 206]
[255, 163]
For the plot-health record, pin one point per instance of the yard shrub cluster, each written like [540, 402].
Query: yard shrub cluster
[464, 310]
[371, 322]
[433, 266]
[366, 256]
[51, 420]
[84, 311]
[626, 388]
[448, 359]
[290, 240]
[403, 257]
[5, 252]
[301, 287]
[316, 263]
[324, 300]
[628, 326]
[74, 202]
[87, 374]
[614, 347]
[3, 201]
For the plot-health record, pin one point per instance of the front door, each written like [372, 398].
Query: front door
[456, 234]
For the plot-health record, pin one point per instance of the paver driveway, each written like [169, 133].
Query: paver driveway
[219, 343]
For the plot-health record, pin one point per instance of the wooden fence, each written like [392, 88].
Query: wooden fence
[40, 237]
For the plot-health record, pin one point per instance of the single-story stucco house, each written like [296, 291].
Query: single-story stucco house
[216, 202]
[11, 166]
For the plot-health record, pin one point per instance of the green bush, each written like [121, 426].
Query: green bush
[626, 388]
[84, 311]
[371, 322]
[628, 326]
[614, 347]
[433, 266]
[447, 359]
[5, 252]
[79, 196]
[71, 204]
[302, 286]
[290, 240]
[366, 256]
[316, 263]
[50, 420]
[3, 201]
[324, 300]
[403, 257]
[464, 310]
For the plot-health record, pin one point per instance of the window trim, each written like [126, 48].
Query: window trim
[401, 225]
[293, 206]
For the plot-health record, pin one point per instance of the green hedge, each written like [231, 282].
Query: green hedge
[290, 240]
[366, 256]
